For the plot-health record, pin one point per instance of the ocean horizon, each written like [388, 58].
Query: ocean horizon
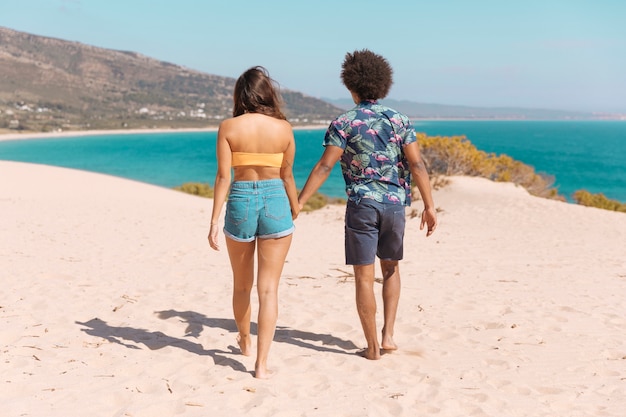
[579, 155]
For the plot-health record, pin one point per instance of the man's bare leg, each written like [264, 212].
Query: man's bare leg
[391, 297]
[366, 307]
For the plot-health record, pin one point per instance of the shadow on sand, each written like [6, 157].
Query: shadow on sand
[196, 323]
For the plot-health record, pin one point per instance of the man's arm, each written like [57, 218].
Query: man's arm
[320, 172]
[420, 174]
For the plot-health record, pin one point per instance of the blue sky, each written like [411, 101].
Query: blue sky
[555, 54]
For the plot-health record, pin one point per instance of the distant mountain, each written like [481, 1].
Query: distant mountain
[417, 110]
[50, 84]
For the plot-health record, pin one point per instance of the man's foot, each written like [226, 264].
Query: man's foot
[388, 343]
[245, 344]
[262, 372]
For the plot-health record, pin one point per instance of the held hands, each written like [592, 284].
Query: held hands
[213, 237]
[294, 212]
[429, 218]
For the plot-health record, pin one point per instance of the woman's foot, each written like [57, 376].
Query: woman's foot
[245, 344]
[261, 372]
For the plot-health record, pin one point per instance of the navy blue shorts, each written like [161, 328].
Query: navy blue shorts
[257, 209]
[374, 229]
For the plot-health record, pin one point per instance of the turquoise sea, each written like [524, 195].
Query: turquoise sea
[587, 155]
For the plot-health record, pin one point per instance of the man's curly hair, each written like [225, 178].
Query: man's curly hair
[367, 74]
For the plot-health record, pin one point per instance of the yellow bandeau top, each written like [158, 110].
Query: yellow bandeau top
[257, 159]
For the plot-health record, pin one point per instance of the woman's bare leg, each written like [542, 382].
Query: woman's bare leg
[241, 256]
[272, 254]
[391, 297]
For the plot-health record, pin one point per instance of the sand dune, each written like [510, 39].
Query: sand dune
[113, 304]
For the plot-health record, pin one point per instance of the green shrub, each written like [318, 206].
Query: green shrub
[456, 155]
[453, 155]
[599, 200]
[317, 201]
[196, 188]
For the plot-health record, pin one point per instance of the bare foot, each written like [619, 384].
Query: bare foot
[388, 343]
[245, 344]
[262, 372]
[371, 354]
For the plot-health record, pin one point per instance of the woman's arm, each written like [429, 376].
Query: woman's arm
[286, 174]
[222, 182]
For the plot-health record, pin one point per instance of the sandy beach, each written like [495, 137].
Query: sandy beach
[68, 134]
[76, 133]
[113, 304]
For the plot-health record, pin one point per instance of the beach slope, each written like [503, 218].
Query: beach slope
[113, 304]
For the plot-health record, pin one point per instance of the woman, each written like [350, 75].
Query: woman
[258, 144]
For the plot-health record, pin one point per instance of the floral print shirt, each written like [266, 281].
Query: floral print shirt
[373, 162]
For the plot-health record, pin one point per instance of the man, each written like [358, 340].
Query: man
[379, 153]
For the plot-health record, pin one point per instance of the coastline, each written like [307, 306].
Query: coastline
[80, 133]
[611, 188]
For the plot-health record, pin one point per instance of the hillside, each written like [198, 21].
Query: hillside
[418, 110]
[49, 84]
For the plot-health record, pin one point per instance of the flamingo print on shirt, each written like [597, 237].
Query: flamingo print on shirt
[373, 162]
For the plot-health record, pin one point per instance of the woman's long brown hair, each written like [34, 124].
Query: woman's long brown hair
[255, 93]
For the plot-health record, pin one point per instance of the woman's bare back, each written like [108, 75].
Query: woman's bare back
[257, 133]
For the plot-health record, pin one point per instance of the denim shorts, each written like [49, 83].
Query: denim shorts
[374, 229]
[257, 209]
